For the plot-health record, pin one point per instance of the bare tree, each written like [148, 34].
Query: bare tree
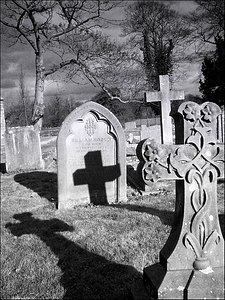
[158, 32]
[207, 21]
[45, 25]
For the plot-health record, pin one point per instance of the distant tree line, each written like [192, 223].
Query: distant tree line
[56, 110]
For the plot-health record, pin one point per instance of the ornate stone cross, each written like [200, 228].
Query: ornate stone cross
[191, 263]
[165, 95]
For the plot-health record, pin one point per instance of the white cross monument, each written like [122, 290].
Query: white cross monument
[165, 95]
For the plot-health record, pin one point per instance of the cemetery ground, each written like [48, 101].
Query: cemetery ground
[89, 252]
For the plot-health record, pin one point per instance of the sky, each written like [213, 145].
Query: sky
[12, 58]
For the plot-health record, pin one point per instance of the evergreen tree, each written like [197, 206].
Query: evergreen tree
[213, 68]
[158, 32]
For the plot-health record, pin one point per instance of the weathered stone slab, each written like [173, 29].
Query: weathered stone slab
[91, 154]
[23, 149]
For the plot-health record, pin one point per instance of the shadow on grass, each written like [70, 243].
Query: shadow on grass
[165, 216]
[85, 275]
[43, 183]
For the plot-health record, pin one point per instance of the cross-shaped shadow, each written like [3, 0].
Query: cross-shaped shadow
[95, 175]
[86, 275]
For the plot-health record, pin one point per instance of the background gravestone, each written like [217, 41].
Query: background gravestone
[23, 149]
[130, 125]
[153, 132]
[91, 154]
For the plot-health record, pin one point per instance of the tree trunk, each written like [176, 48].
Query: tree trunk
[38, 109]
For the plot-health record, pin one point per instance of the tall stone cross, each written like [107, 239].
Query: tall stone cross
[165, 95]
[191, 262]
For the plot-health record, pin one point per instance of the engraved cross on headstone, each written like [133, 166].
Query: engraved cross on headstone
[165, 95]
[191, 262]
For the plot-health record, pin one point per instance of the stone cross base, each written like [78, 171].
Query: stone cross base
[179, 284]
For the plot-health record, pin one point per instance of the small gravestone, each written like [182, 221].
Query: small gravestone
[191, 263]
[23, 149]
[91, 154]
[130, 125]
[153, 131]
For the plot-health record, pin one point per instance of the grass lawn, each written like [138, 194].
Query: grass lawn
[91, 252]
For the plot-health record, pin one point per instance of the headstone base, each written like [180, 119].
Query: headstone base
[179, 284]
[206, 286]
